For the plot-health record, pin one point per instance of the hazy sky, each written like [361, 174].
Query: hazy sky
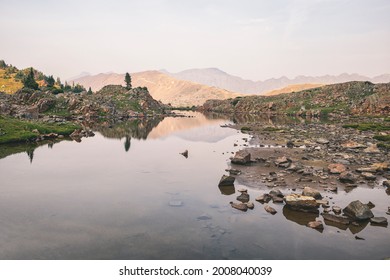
[254, 39]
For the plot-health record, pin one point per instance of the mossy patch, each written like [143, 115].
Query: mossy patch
[368, 126]
[14, 130]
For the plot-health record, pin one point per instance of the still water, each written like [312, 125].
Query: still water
[128, 193]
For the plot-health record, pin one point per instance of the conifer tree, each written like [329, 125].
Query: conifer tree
[29, 81]
[128, 81]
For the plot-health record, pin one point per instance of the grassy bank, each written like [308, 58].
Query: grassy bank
[15, 130]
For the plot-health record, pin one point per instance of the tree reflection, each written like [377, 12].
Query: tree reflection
[127, 143]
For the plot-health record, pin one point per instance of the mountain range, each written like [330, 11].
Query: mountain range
[218, 78]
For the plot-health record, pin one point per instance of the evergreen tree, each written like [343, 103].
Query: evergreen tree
[29, 81]
[128, 81]
[89, 90]
[3, 65]
[49, 81]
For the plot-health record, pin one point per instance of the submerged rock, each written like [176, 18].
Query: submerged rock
[358, 211]
[226, 181]
[185, 154]
[241, 157]
[336, 219]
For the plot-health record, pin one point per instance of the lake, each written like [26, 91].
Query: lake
[128, 193]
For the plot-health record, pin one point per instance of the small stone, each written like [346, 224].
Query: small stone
[242, 190]
[263, 198]
[322, 141]
[307, 191]
[347, 177]
[239, 206]
[226, 181]
[336, 210]
[370, 205]
[277, 199]
[185, 154]
[269, 209]
[379, 220]
[368, 176]
[316, 225]
[336, 168]
[233, 171]
[250, 205]
[332, 188]
[359, 238]
[386, 184]
[243, 197]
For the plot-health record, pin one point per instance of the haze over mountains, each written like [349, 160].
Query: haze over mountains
[161, 86]
[218, 78]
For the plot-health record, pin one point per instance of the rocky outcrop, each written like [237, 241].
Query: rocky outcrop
[358, 98]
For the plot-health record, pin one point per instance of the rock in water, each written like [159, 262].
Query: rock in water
[386, 184]
[239, 206]
[269, 209]
[336, 219]
[347, 177]
[250, 205]
[368, 176]
[316, 225]
[263, 198]
[243, 197]
[307, 191]
[358, 211]
[185, 154]
[241, 157]
[379, 220]
[336, 210]
[336, 168]
[226, 181]
[301, 203]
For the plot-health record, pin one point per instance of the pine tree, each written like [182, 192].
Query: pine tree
[89, 90]
[29, 81]
[128, 81]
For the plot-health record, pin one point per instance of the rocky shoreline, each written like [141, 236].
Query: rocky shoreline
[304, 165]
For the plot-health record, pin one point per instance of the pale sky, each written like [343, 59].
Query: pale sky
[253, 39]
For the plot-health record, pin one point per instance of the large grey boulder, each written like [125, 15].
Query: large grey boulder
[358, 211]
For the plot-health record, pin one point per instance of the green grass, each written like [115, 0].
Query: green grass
[368, 126]
[14, 130]
[271, 129]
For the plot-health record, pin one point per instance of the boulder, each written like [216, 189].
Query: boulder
[336, 219]
[276, 192]
[301, 203]
[241, 157]
[347, 178]
[270, 210]
[358, 211]
[336, 168]
[307, 191]
[226, 181]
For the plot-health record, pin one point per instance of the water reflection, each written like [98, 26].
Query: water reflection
[301, 218]
[227, 190]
